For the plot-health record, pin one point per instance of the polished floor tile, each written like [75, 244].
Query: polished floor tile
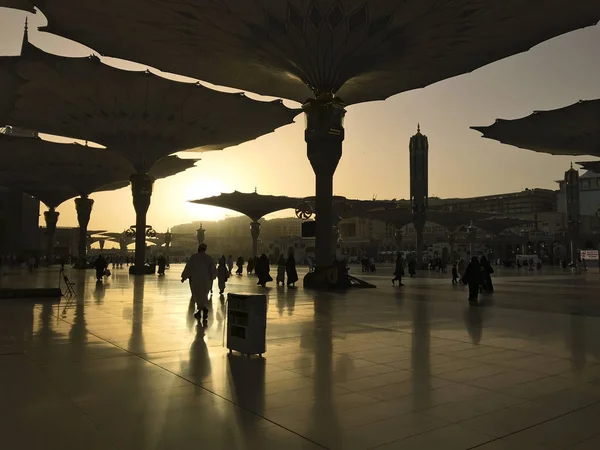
[124, 365]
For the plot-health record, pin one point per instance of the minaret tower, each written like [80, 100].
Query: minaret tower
[419, 182]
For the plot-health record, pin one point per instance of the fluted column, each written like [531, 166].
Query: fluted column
[254, 232]
[83, 206]
[141, 188]
[51, 218]
[324, 136]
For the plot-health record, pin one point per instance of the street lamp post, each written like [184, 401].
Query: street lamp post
[471, 233]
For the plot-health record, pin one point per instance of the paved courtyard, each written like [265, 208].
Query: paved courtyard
[125, 366]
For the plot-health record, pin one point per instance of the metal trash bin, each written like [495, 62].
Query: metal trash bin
[247, 323]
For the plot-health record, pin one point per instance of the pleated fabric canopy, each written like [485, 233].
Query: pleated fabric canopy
[69, 169]
[593, 166]
[253, 205]
[138, 114]
[296, 49]
[497, 225]
[572, 130]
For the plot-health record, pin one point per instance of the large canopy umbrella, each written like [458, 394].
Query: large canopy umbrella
[137, 114]
[331, 53]
[25, 5]
[71, 170]
[399, 217]
[253, 205]
[497, 225]
[122, 238]
[451, 220]
[51, 192]
[593, 166]
[572, 130]
[343, 208]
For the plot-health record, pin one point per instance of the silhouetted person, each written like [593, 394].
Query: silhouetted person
[486, 274]
[200, 270]
[230, 264]
[472, 277]
[262, 270]
[412, 265]
[290, 269]
[281, 262]
[100, 265]
[399, 271]
[250, 265]
[222, 274]
[455, 278]
[162, 264]
[240, 265]
[461, 268]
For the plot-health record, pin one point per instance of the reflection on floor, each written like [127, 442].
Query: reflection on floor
[124, 365]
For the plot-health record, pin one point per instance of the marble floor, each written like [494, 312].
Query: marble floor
[124, 365]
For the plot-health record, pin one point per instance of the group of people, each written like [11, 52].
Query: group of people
[201, 271]
[477, 274]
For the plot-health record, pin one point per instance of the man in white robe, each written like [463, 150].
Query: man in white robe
[201, 271]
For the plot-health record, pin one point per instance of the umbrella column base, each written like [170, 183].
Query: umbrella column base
[333, 277]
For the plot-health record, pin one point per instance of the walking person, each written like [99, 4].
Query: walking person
[461, 268]
[290, 270]
[240, 265]
[230, 264]
[399, 271]
[472, 277]
[455, 278]
[412, 265]
[262, 270]
[310, 264]
[222, 274]
[162, 264]
[486, 274]
[200, 270]
[281, 270]
[250, 266]
[100, 265]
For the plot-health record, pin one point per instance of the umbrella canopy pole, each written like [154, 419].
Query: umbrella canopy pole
[141, 188]
[51, 218]
[83, 206]
[324, 136]
[255, 232]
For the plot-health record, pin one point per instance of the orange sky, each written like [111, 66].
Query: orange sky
[375, 161]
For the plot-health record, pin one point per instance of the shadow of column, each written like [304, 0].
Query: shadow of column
[136, 341]
[324, 423]
[420, 356]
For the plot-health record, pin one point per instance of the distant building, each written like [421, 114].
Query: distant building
[511, 204]
[589, 194]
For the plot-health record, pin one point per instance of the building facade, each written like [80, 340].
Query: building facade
[589, 195]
